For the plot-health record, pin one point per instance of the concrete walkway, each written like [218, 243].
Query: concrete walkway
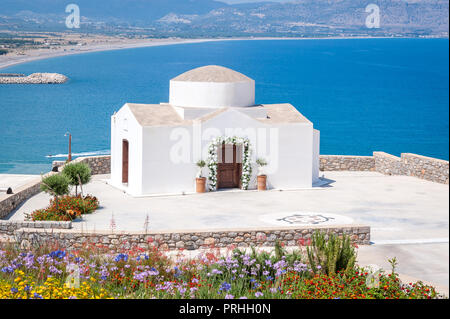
[409, 217]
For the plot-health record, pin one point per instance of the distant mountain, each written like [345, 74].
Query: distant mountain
[214, 18]
[126, 10]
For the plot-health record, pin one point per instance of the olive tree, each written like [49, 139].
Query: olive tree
[78, 175]
[55, 185]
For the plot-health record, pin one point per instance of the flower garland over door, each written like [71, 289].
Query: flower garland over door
[213, 161]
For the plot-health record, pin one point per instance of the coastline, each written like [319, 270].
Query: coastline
[41, 54]
[34, 55]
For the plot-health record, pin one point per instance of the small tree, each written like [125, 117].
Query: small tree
[78, 175]
[261, 162]
[200, 164]
[55, 185]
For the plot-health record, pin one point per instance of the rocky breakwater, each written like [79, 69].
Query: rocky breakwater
[35, 78]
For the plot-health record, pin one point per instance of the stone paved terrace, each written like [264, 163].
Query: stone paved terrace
[408, 216]
[396, 207]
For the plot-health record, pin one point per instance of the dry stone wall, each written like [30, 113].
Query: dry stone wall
[428, 168]
[8, 227]
[71, 239]
[98, 164]
[9, 202]
[346, 163]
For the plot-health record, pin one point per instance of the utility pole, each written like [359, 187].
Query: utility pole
[69, 155]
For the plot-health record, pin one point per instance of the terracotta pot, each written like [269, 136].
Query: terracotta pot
[262, 181]
[200, 184]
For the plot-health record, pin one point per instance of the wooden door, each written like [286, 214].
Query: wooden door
[124, 161]
[229, 168]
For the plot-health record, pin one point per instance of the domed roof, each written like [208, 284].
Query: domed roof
[212, 73]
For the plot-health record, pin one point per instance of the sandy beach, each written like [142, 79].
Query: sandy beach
[38, 54]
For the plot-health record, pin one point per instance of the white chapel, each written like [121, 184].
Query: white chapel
[211, 116]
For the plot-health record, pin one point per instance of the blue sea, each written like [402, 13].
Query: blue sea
[364, 95]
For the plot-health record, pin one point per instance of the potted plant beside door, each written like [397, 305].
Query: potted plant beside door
[200, 181]
[262, 178]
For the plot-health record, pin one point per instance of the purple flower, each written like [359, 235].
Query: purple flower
[143, 275]
[120, 257]
[8, 269]
[258, 294]
[228, 296]
[54, 270]
[225, 287]
[59, 254]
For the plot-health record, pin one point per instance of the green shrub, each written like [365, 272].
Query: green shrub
[78, 174]
[201, 163]
[331, 255]
[55, 185]
[261, 162]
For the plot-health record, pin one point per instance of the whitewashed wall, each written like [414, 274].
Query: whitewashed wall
[316, 156]
[212, 94]
[233, 123]
[295, 163]
[155, 165]
[125, 126]
[163, 173]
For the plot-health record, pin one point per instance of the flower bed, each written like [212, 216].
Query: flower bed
[66, 208]
[90, 273]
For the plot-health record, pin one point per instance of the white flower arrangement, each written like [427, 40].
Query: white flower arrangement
[213, 161]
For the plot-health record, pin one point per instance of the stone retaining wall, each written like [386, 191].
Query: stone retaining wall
[346, 163]
[8, 202]
[8, 227]
[428, 168]
[98, 164]
[71, 239]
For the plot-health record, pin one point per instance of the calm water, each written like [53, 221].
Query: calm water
[362, 94]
